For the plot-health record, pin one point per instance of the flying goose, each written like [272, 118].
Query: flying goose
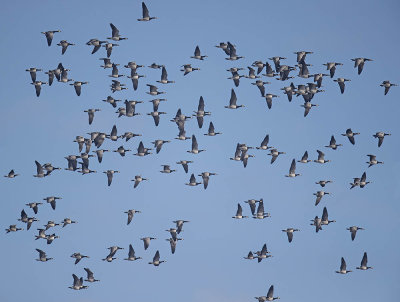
[268, 99]
[110, 174]
[303, 70]
[236, 78]
[363, 180]
[155, 66]
[49, 35]
[173, 243]
[187, 68]
[131, 254]
[321, 158]
[78, 257]
[100, 153]
[264, 144]
[109, 48]
[232, 101]
[263, 253]
[142, 151]
[78, 86]
[173, 233]
[145, 14]
[331, 66]
[275, 153]
[332, 144]
[261, 214]
[232, 53]
[52, 201]
[318, 78]
[324, 218]
[13, 228]
[164, 77]
[129, 135]
[252, 74]
[64, 44]
[184, 164]
[380, 136]
[110, 257]
[195, 146]
[166, 169]
[39, 170]
[138, 179]
[260, 84]
[131, 213]
[64, 76]
[42, 256]
[50, 224]
[51, 238]
[284, 71]
[239, 212]
[49, 168]
[32, 72]
[211, 130]
[359, 62]
[304, 158]
[91, 113]
[153, 90]
[117, 86]
[156, 103]
[146, 241]
[200, 113]
[182, 135]
[113, 135]
[341, 82]
[322, 183]
[42, 234]
[269, 296]
[96, 44]
[78, 283]
[350, 135]
[80, 140]
[67, 221]
[269, 72]
[192, 181]
[372, 160]
[179, 224]
[206, 176]
[158, 143]
[364, 263]
[238, 153]
[249, 256]
[90, 276]
[197, 54]
[156, 259]
[292, 170]
[289, 232]
[260, 66]
[85, 167]
[252, 204]
[343, 269]
[121, 150]
[115, 34]
[11, 174]
[319, 196]
[317, 223]
[38, 86]
[224, 47]
[353, 231]
[387, 86]
[355, 183]
[301, 55]
[130, 108]
[244, 157]
[115, 71]
[88, 144]
[111, 101]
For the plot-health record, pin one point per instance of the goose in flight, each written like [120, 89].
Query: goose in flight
[110, 174]
[49, 168]
[211, 130]
[115, 34]
[187, 68]
[239, 213]
[32, 72]
[304, 158]
[269, 296]
[138, 179]
[166, 169]
[164, 77]
[332, 144]
[67, 221]
[145, 14]
[158, 144]
[185, 164]
[131, 213]
[269, 72]
[154, 90]
[387, 86]
[115, 71]
[275, 153]
[301, 55]
[90, 276]
[233, 101]
[42, 256]
[260, 66]
[52, 201]
[200, 113]
[307, 107]
[142, 151]
[235, 77]
[197, 54]
[359, 62]
[64, 45]
[353, 231]
[244, 157]
[355, 183]
[146, 241]
[292, 170]
[173, 243]
[78, 283]
[179, 224]
[249, 256]
[260, 84]
[206, 176]
[39, 170]
[331, 66]
[96, 44]
[372, 160]
[323, 183]
[363, 180]
[50, 224]
[50, 35]
[78, 257]
[324, 218]
[131, 254]
[364, 263]
[350, 135]
[91, 113]
[261, 214]
[111, 101]
[156, 103]
[13, 228]
[321, 158]
[317, 223]
[192, 181]
[263, 254]
[156, 116]
[28, 220]
[38, 86]
[51, 238]
[117, 86]
[224, 47]
[343, 269]
[319, 196]
[318, 77]
[252, 204]
[252, 74]
[289, 232]
[156, 259]
[11, 174]
[232, 53]
[109, 48]
[268, 99]
[195, 146]
[380, 136]
[78, 86]
[100, 153]
[264, 144]
[341, 82]
[41, 235]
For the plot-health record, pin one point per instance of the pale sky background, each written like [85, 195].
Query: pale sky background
[208, 265]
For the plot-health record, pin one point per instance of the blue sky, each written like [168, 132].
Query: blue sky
[208, 264]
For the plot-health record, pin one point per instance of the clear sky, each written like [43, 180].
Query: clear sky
[208, 265]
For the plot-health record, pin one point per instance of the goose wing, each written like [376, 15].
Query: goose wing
[292, 169]
[232, 101]
[114, 30]
[145, 11]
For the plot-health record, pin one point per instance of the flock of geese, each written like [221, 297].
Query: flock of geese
[276, 69]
